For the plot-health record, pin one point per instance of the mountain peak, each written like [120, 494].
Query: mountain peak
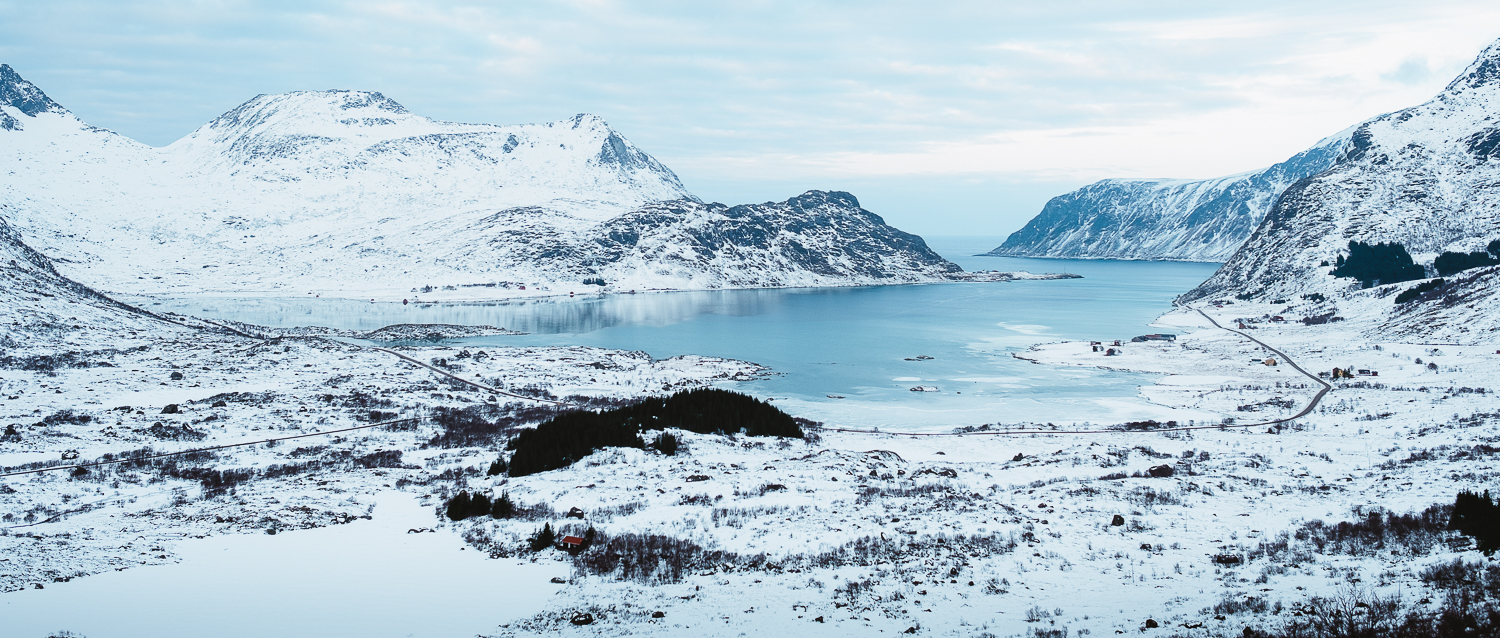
[337, 104]
[1485, 70]
[22, 95]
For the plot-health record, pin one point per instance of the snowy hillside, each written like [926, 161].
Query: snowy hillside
[45, 314]
[346, 192]
[1424, 177]
[1177, 219]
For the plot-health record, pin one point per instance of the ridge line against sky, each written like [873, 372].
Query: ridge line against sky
[945, 118]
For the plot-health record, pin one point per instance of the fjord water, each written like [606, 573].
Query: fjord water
[854, 343]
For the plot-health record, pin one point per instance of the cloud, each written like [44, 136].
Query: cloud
[783, 92]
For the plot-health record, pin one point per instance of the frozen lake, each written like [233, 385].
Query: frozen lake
[366, 578]
[853, 343]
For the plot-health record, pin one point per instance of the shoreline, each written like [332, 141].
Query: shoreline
[387, 296]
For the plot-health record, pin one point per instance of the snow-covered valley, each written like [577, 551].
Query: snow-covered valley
[848, 532]
[1320, 431]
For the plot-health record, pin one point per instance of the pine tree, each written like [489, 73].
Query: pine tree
[458, 507]
[1477, 516]
[479, 504]
[666, 443]
[503, 506]
[543, 539]
[497, 468]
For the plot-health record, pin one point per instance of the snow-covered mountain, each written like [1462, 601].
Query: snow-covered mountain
[1427, 177]
[815, 239]
[1177, 219]
[346, 192]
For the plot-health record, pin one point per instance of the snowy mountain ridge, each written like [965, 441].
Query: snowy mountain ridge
[1173, 219]
[348, 193]
[1424, 177]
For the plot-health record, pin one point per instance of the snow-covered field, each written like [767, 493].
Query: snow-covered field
[845, 534]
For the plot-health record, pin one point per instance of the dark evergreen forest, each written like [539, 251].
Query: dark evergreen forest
[570, 436]
[1378, 264]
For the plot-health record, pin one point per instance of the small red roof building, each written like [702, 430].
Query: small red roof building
[571, 541]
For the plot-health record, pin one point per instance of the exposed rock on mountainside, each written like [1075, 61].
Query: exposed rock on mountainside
[22, 96]
[1177, 219]
[1424, 177]
[348, 193]
[817, 238]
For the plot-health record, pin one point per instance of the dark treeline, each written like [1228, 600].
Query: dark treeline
[1382, 263]
[1450, 263]
[1415, 292]
[570, 436]
[567, 437]
[711, 411]
[1476, 515]
[465, 506]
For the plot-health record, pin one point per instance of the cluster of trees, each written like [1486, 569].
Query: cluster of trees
[1413, 293]
[594, 281]
[570, 436]
[1477, 515]
[1375, 264]
[465, 506]
[666, 443]
[1450, 263]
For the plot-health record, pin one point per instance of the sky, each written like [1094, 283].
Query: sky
[945, 118]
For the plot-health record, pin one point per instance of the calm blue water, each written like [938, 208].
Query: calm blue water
[849, 342]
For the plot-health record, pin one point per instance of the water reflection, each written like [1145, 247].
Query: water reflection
[862, 344]
[552, 315]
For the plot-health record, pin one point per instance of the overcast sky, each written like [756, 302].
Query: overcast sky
[943, 117]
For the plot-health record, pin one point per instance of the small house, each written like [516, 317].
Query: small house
[1155, 337]
[572, 542]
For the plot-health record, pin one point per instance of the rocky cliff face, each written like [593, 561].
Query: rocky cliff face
[1186, 220]
[1427, 177]
[347, 192]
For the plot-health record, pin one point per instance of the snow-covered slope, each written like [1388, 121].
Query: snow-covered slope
[346, 192]
[1425, 177]
[44, 313]
[1177, 219]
